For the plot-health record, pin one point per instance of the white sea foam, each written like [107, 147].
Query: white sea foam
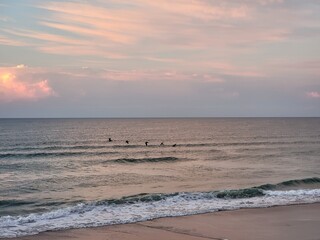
[98, 214]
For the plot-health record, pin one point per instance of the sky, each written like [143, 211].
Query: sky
[146, 58]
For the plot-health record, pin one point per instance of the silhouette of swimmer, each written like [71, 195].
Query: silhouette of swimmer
[127, 142]
[146, 143]
[174, 145]
[110, 140]
[161, 144]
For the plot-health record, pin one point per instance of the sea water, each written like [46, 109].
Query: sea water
[65, 173]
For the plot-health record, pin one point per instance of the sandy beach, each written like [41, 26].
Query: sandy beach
[298, 222]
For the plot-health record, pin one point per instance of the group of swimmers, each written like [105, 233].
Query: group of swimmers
[146, 143]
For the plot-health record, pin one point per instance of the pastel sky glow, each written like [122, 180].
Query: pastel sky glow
[144, 58]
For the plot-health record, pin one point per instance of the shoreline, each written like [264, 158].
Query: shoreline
[294, 222]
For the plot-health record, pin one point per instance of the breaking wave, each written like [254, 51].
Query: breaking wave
[146, 206]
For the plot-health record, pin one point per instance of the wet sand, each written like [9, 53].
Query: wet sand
[298, 222]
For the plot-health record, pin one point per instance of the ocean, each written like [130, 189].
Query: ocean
[65, 173]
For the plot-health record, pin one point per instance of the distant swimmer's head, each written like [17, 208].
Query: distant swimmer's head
[146, 143]
[110, 140]
[127, 142]
[174, 145]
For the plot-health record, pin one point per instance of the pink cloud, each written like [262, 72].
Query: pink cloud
[103, 33]
[147, 29]
[13, 88]
[199, 9]
[153, 75]
[266, 2]
[162, 35]
[167, 24]
[10, 42]
[313, 94]
[135, 75]
[226, 68]
[56, 44]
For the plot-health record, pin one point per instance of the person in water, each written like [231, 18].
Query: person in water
[161, 144]
[127, 142]
[174, 145]
[146, 143]
[110, 140]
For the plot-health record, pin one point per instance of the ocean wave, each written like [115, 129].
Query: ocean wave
[249, 143]
[38, 154]
[146, 206]
[74, 146]
[291, 183]
[14, 202]
[241, 193]
[53, 147]
[143, 160]
[52, 154]
[257, 191]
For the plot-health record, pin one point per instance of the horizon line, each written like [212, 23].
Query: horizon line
[7, 118]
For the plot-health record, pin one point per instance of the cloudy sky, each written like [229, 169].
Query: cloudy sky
[146, 58]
